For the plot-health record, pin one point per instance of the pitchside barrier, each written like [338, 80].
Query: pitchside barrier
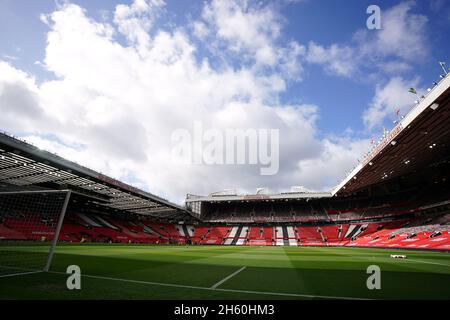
[30, 222]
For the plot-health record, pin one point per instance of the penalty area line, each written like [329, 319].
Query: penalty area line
[298, 295]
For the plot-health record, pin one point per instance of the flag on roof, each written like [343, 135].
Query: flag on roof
[412, 90]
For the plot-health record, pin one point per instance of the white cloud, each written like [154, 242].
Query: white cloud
[394, 67]
[388, 99]
[338, 155]
[403, 35]
[242, 25]
[252, 30]
[402, 41]
[113, 107]
[135, 20]
[336, 59]
[200, 29]
[381, 55]
[18, 95]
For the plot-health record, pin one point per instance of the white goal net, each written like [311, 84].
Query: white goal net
[30, 222]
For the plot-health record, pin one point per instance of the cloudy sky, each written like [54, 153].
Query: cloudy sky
[106, 83]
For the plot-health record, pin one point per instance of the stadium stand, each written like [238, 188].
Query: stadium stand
[416, 231]
[398, 196]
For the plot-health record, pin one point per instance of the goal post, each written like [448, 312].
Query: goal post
[30, 225]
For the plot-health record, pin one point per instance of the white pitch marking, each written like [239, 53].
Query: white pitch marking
[216, 289]
[226, 278]
[436, 263]
[18, 274]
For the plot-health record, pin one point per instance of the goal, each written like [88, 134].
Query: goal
[30, 222]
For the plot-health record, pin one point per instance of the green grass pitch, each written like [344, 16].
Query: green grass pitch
[203, 272]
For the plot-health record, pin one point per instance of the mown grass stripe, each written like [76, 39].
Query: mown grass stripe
[285, 294]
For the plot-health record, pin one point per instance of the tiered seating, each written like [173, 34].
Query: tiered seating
[166, 231]
[279, 240]
[255, 233]
[11, 234]
[283, 217]
[407, 234]
[415, 230]
[285, 236]
[134, 233]
[268, 234]
[31, 230]
[217, 235]
[262, 217]
[200, 234]
[260, 236]
[331, 235]
[309, 236]
[243, 236]
[237, 236]
[74, 233]
[174, 233]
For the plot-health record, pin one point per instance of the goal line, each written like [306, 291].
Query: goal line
[173, 285]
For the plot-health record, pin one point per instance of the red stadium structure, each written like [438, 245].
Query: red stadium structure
[398, 196]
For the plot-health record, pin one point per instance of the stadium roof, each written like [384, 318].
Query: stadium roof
[24, 166]
[420, 139]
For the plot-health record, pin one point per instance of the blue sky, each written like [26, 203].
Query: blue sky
[341, 82]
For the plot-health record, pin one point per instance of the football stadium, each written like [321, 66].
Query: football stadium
[101, 103]
[392, 211]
